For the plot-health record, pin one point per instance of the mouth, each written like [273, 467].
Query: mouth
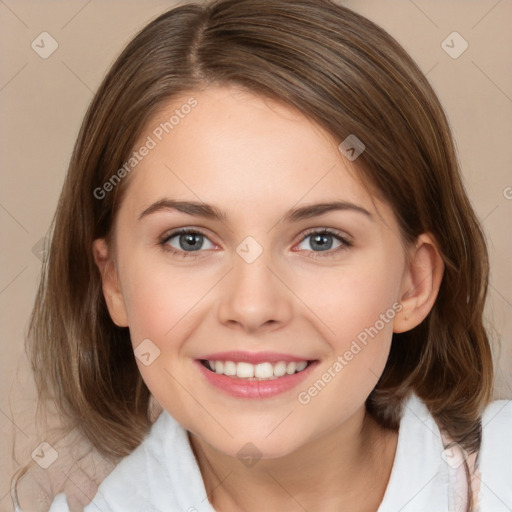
[255, 372]
[259, 375]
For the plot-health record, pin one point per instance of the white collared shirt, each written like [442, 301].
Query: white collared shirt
[162, 475]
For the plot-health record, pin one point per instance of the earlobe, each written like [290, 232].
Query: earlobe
[110, 283]
[420, 284]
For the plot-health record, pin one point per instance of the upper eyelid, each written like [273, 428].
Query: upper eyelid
[345, 237]
[329, 231]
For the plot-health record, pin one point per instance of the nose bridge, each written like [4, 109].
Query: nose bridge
[255, 296]
[253, 282]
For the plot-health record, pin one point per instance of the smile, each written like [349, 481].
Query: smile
[261, 371]
[254, 375]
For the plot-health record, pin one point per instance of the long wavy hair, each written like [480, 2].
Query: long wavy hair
[349, 76]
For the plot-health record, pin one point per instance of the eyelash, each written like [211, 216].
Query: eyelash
[314, 254]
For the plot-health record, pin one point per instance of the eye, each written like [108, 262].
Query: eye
[324, 240]
[187, 242]
[183, 241]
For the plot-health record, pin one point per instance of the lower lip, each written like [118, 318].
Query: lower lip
[245, 388]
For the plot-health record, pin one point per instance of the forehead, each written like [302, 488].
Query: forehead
[240, 151]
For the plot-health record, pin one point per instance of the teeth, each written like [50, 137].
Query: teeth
[301, 366]
[290, 368]
[279, 369]
[262, 371]
[229, 368]
[244, 370]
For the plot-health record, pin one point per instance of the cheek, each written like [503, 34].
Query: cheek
[350, 299]
[162, 307]
[357, 303]
[160, 298]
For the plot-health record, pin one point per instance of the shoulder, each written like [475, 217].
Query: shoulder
[132, 482]
[420, 439]
[59, 504]
[495, 458]
[161, 474]
[497, 432]
[497, 415]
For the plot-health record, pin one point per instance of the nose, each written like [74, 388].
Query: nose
[255, 296]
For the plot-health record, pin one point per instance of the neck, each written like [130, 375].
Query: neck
[330, 472]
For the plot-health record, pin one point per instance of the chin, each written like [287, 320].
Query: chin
[257, 447]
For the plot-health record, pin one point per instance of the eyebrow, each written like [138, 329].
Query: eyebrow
[208, 211]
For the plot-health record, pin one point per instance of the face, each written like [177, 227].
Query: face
[262, 282]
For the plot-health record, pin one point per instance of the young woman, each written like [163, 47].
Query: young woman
[263, 234]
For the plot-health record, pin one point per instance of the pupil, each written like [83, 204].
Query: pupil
[324, 242]
[191, 240]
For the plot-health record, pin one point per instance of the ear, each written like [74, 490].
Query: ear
[110, 283]
[420, 283]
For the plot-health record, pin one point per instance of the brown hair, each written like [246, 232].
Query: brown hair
[351, 77]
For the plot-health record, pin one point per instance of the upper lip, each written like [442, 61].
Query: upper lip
[253, 357]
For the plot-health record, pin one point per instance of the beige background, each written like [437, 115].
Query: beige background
[42, 102]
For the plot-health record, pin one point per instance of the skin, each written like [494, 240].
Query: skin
[257, 159]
